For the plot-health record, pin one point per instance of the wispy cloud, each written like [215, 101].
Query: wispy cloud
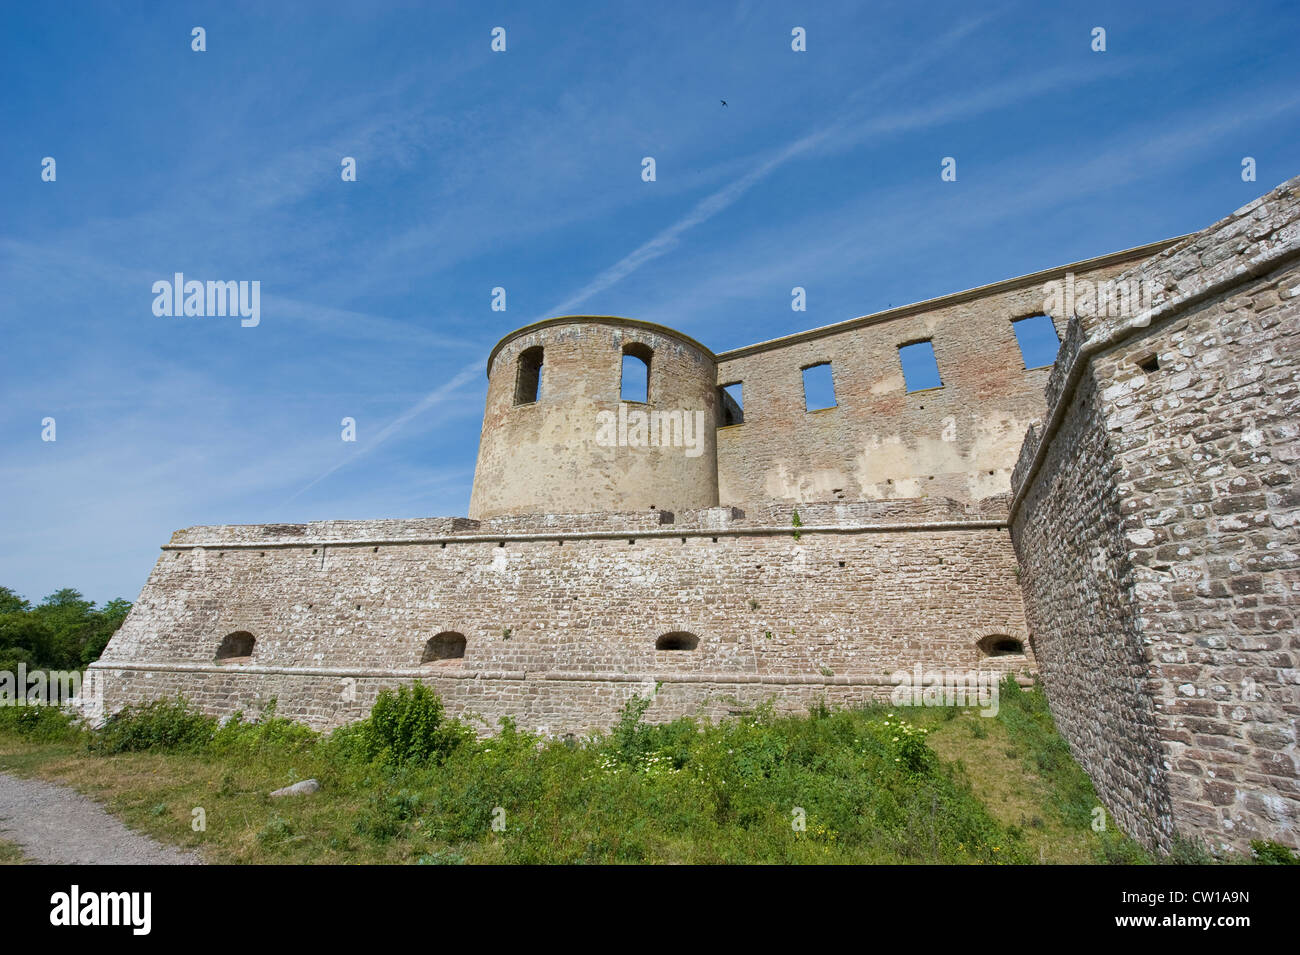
[439, 396]
[858, 124]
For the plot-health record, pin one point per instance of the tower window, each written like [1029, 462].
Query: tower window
[920, 370]
[818, 387]
[1038, 341]
[636, 373]
[731, 410]
[528, 379]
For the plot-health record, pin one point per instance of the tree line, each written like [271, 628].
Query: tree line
[65, 631]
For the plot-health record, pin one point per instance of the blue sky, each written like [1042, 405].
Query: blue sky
[522, 169]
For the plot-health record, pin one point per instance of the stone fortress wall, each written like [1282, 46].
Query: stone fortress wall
[881, 441]
[1155, 516]
[561, 617]
[1139, 548]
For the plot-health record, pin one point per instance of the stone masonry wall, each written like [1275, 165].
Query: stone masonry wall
[1082, 623]
[1180, 475]
[561, 619]
[881, 441]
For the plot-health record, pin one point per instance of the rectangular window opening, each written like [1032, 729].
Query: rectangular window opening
[731, 407]
[920, 370]
[818, 387]
[1038, 341]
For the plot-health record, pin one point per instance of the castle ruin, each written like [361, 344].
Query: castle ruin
[1121, 523]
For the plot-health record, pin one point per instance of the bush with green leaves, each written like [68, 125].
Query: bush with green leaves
[268, 732]
[408, 726]
[1272, 853]
[166, 725]
[41, 724]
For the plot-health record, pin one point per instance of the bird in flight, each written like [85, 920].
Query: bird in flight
[724, 102]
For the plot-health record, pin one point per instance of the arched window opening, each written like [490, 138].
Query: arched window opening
[528, 380]
[636, 373]
[1001, 645]
[447, 645]
[236, 647]
[677, 640]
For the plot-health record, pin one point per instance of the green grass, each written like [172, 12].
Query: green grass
[1022, 769]
[11, 854]
[876, 785]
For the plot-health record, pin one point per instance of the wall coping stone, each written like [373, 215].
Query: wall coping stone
[216, 542]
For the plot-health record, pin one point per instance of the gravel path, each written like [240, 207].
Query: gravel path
[55, 824]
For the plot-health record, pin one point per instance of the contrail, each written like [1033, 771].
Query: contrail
[710, 206]
[433, 398]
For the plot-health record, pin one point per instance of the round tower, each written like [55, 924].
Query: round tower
[563, 435]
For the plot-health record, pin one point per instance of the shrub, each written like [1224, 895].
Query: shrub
[409, 726]
[165, 725]
[630, 738]
[266, 732]
[1272, 853]
[1188, 850]
[41, 724]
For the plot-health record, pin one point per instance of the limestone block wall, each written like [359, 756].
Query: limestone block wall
[561, 620]
[880, 441]
[1155, 517]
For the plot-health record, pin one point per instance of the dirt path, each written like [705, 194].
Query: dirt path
[55, 824]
